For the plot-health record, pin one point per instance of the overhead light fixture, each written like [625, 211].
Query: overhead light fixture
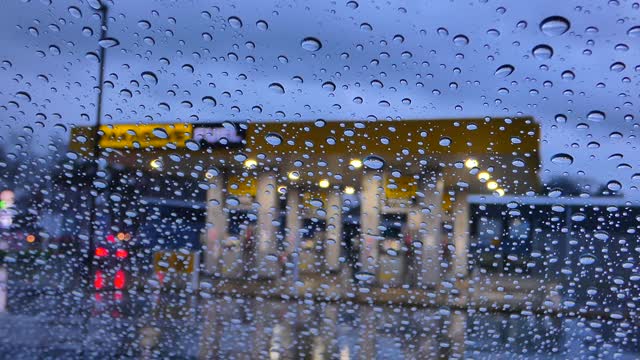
[156, 164]
[356, 163]
[293, 175]
[500, 192]
[324, 183]
[250, 164]
[349, 190]
[483, 176]
[471, 163]
[492, 185]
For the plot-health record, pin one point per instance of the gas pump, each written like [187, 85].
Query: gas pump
[392, 249]
[312, 245]
[238, 249]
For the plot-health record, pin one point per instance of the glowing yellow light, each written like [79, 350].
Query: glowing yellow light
[282, 189]
[492, 185]
[293, 175]
[471, 163]
[30, 238]
[349, 190]
[484, 176]
[156, 163]
[356, 163]
[121, 236]
[324, 183]
[250, 164]
[500, 192]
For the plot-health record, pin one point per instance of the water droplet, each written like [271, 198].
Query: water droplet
[554, 25]
[108, 43]
[373, 162]
[262, 25]
[504, 71]
[357, 100]
[144, 24]
[87, 31]
[366, 27]
[149, 77]
[542, 52]
[316, 203]
[561, 118]
[187, 68]
[274, 139]
[209, 100]
[364, 276]
[617, 66]
[192, 145]
[54, 50]
[398, 39]
[568, 75]
[578, 217]
[562, 159]
[601, 235]
[587, 259]
[276, 88]
[75, 12]
[235, 22]
[460, 40]
[23, 95]
[445, 141]
[160, 133]
[596, 116]
[311, 44]
[634, 31]
[91, 56]
[352, 5]
[329, 86]
[33, 31]
[614, 185]
[377, 84]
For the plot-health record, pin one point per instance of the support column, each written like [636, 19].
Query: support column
[369, 221]
[217, 225]
[267, 199]
[332, 247]
[461, 235]
[293, 227]
[431, 204]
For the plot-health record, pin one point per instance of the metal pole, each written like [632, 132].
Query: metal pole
[104, 10]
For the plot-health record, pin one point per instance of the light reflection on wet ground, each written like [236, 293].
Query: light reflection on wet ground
[54, 324]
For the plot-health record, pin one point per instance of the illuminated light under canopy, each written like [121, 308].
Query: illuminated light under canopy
[293, 175]
[492, 185]
[471, 163]
[324, 183]
[356, 163]
[484, 176]
[250, 164]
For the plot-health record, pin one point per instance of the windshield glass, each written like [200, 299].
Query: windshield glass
[342, 179]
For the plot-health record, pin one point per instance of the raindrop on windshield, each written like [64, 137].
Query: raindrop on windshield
[555, 26]
[108, 43]
[562, 159]
[235, 22]
[274, 139]
[504, 70]
[373, 162]
[276, 88]
[311, 44]
[149, 77]
[542, 52]
[596, 116]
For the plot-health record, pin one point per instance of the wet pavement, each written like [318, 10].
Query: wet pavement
[65, 322]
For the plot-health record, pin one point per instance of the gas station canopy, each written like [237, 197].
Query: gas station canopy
[467, 153]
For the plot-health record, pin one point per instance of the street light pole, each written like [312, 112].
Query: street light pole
[97, 136]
